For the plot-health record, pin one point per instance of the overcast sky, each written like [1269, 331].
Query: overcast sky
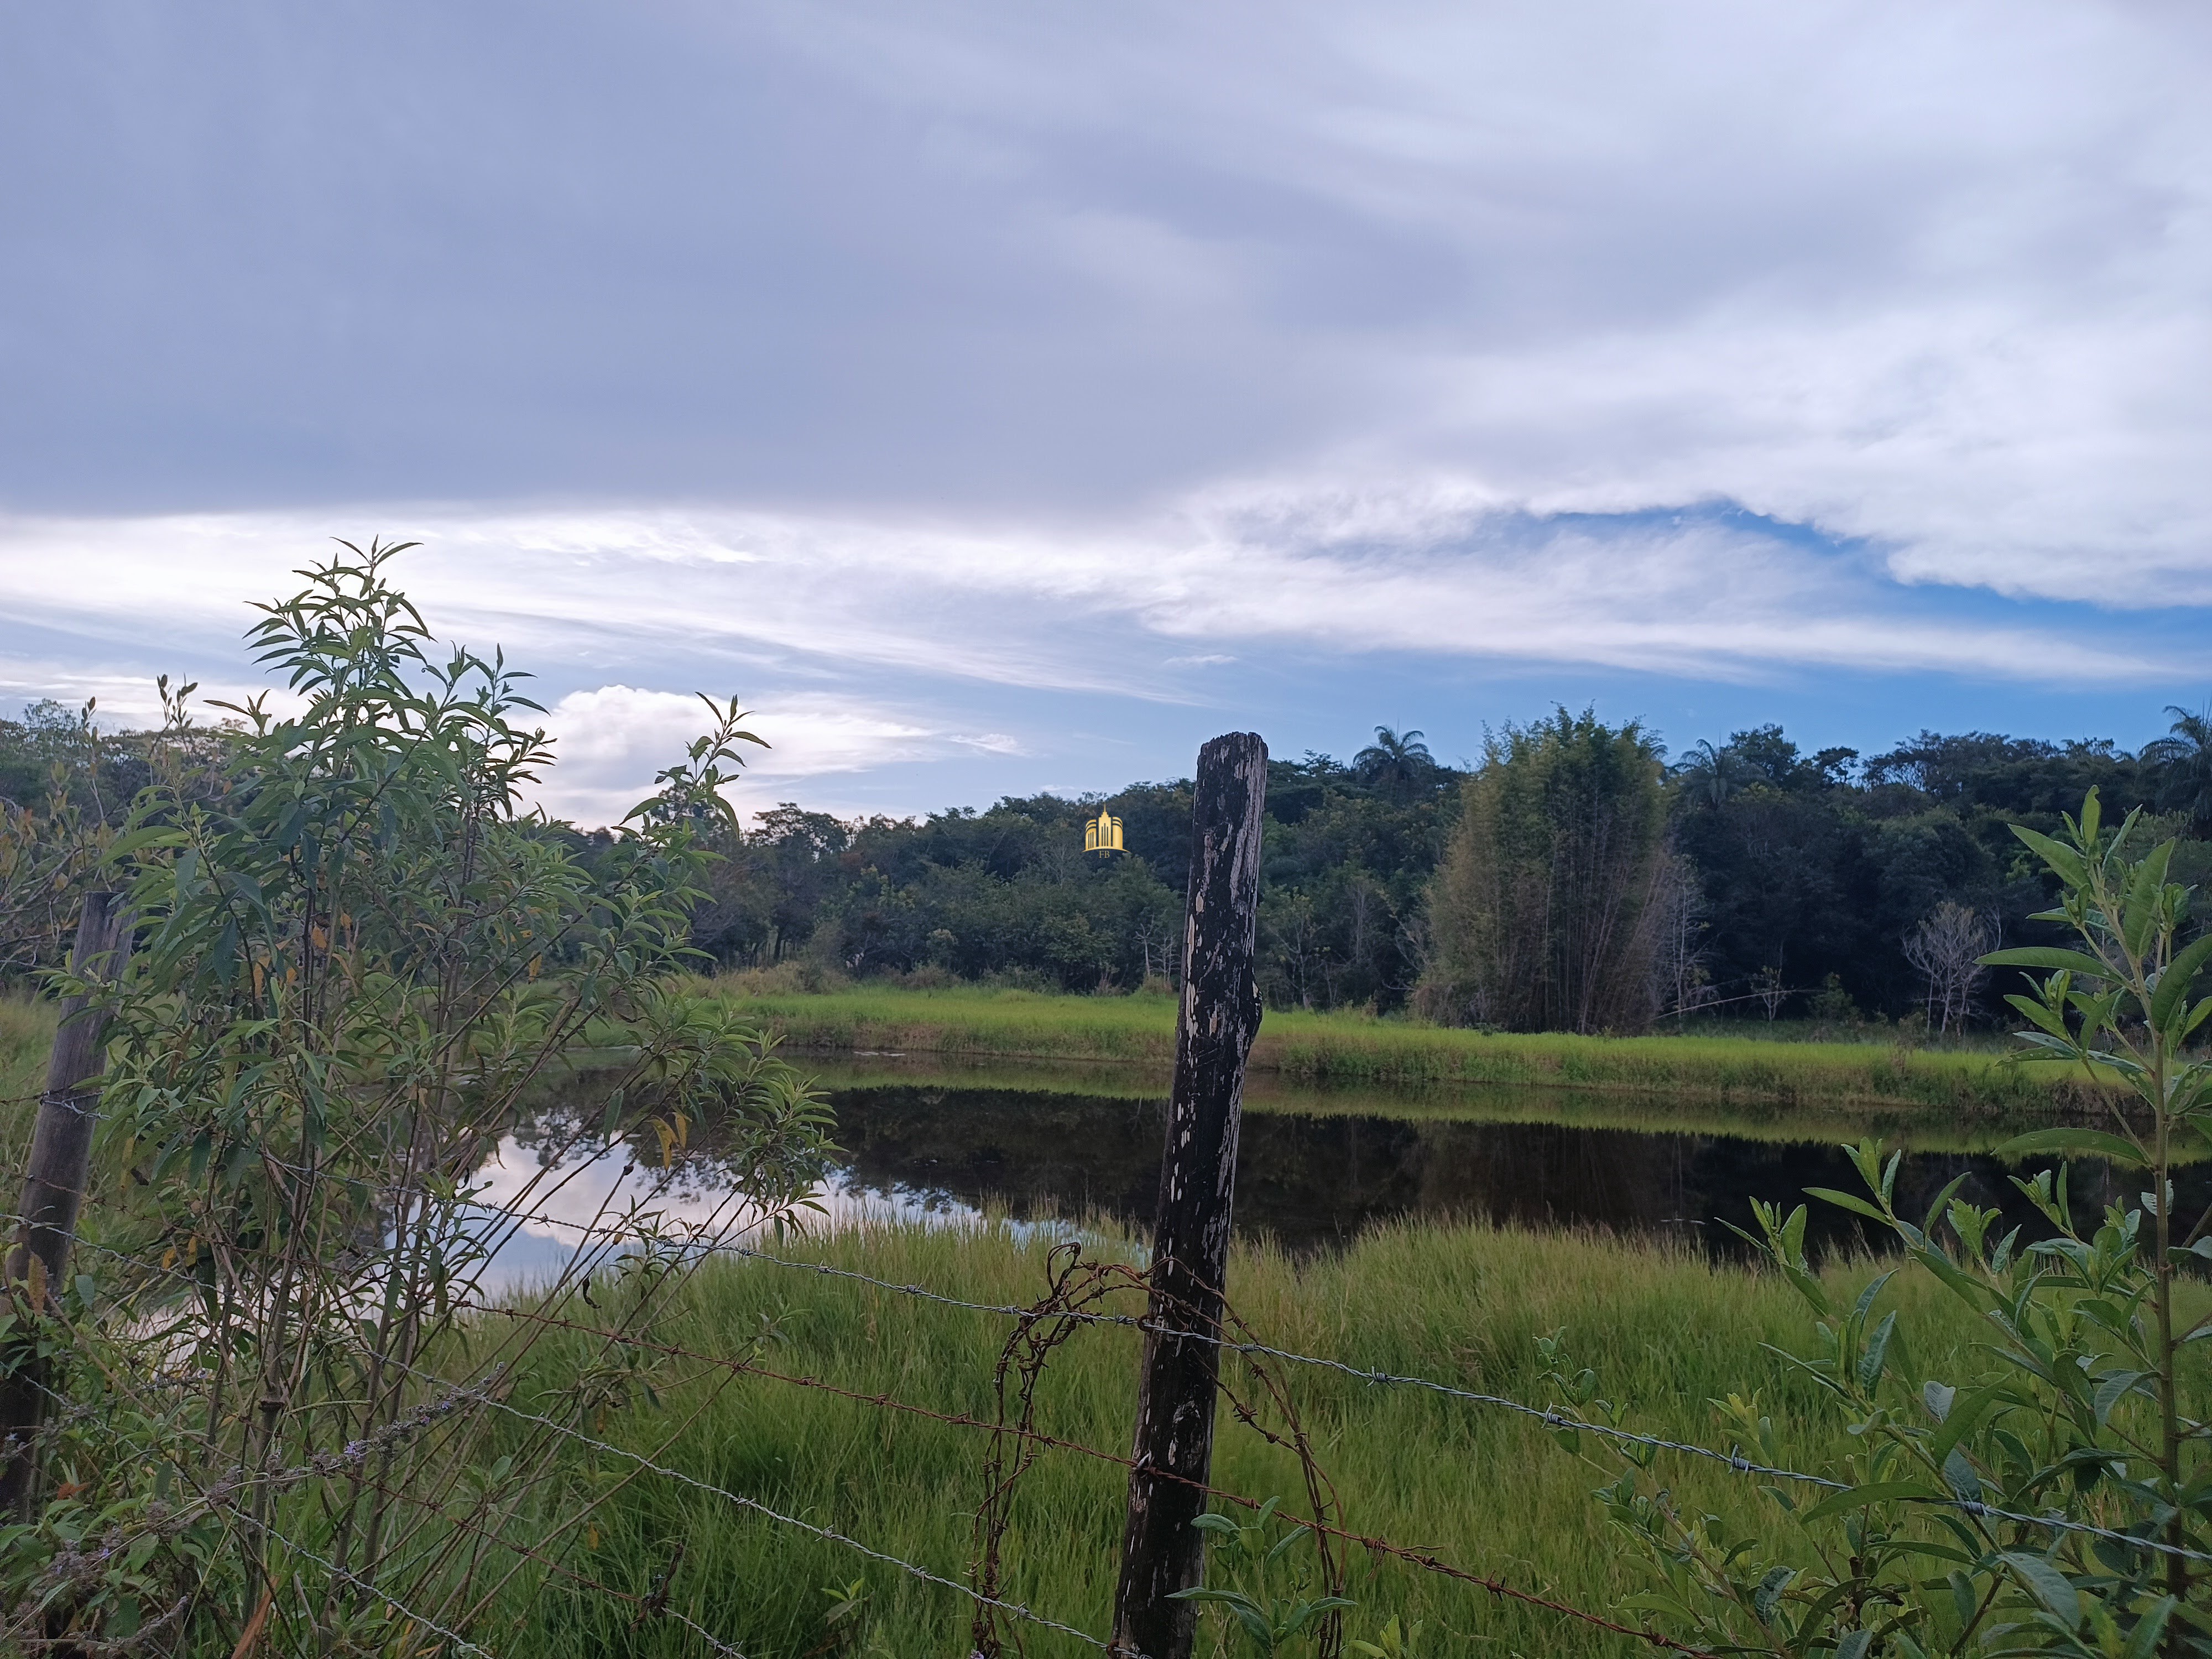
[1001, 398]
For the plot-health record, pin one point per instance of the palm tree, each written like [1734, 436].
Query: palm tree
[1396, 762]
[1711, 776]
[2183, 762]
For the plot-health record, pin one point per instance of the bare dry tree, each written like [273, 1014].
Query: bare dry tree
[1769, 986]
[1683, 982]
[1947, 949]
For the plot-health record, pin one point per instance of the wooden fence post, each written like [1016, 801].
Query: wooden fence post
[53, 1188]
[1161, 1551]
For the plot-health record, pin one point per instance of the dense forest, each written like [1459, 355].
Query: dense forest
[1574, 879]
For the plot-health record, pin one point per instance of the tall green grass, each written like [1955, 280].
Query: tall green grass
[1483, 1488]
[1346, 1049]
[27, 1034]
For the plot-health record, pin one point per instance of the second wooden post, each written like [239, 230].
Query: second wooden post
[53, 1191]
[1161, 1551]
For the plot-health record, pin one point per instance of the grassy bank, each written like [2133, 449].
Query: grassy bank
[1348, 1050]
[1485, 1489]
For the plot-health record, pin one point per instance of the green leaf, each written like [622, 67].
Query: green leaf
[2040, 1014]
[1882, 1492]
[1253, 1622]
[1855, 1645]
[2095, 1143]
[2150, 1629]
[1768, 1595]
[1877, 1348]
[153, 835]
[1858, 1205]
[2112, 1390]
[1960, 1475]
[2047, 1584]
[2064, 861]
[2174, 984]
[2048, 957]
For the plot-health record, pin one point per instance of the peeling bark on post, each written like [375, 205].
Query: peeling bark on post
[1162, 1553]
[54, 1187]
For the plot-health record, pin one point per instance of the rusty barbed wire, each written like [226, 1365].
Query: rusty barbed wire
[1427, 1560]
[359, 1582]
[1549, 1416]
[753, 1504]
[654, 1605]
[1072, 1283]
[1077, 1289]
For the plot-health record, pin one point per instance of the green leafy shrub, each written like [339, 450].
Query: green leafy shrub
[359, 961]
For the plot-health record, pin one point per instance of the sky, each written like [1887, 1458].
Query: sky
[1002, 399]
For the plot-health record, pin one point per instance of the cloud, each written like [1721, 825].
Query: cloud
[1439, 572]
[765, 602]
[990, 743]
[922, 282]
[965, 388]
[612, 739]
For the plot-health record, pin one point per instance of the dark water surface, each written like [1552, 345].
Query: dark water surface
[1313, 1181]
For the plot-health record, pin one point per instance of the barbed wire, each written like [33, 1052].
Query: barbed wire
[1426, 1559]
[215, 1500]
[654, 1605]
[1550, 1417]
[773, 1514]
[381, 1594]
[332, 1464]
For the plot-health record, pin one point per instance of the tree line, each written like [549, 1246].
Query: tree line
[1574, 878]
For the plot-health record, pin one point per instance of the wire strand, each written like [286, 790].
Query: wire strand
[755, 1504]
[1550, 1418]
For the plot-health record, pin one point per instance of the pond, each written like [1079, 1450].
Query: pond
[944, 1146]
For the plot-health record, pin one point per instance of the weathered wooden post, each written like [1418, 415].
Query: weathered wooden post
[54, 1187]
[1161, 1551]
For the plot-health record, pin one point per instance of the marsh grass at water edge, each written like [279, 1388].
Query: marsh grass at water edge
[1345, 1048]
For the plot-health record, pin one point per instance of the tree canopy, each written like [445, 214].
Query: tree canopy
[1790, 877]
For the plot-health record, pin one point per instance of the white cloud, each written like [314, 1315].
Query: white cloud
[798, 613]
[613, 738]
[1934, 276]
[990, 743]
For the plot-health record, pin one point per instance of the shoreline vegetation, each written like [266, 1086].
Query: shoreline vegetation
[1808, 1121]
[1331, 1065]
[1347, 1049]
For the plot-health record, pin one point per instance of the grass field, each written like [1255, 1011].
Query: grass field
[1347, 1049]
[1485, 1489]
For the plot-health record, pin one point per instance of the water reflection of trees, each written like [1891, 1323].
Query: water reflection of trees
[672, 1157]
[1311, 1181]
